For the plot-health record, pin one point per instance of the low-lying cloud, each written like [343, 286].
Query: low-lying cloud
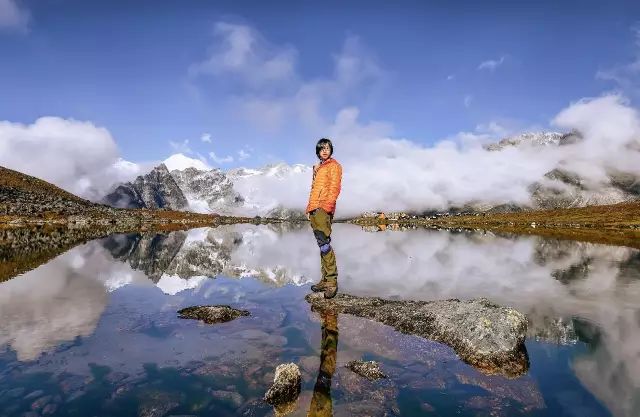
[78, 156]
[386, 174]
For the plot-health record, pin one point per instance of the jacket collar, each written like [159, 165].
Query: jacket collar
[328, 161]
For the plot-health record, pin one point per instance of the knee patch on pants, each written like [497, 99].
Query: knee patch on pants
[324, 249]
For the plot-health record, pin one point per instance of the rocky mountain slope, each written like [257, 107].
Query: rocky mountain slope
[208, 190]
[157, 189]
[24, 195]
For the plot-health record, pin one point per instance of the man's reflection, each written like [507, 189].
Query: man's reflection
[321, 404]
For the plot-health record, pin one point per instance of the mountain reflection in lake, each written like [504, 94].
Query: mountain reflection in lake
[94, 331]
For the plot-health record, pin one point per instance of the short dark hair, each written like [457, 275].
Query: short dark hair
[320, 145]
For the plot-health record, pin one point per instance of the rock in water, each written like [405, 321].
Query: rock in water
[485, 335]
[286, 385]
[370, 370]
[212, 314]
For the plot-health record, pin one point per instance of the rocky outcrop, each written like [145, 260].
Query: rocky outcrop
[212, 314]
[483, 334]
[157, 189]
[368, 369]
[286, 385]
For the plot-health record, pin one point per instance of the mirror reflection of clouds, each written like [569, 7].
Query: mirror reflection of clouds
[596, 284]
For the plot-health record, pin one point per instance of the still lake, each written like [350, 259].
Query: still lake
[94, 331]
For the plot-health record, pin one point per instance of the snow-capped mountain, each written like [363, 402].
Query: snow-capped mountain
[154, 190]
[280, 190]
[560, 188]
[239, 191]
[208, 191]
[535, 139]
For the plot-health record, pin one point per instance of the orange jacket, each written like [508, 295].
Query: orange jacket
[325, 186]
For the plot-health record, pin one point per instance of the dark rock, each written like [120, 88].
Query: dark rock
[212, 314]
[157, 189]
[286, 385]
[485, 335]
[370, 370]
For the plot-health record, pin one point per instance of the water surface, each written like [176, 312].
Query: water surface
[94, 331]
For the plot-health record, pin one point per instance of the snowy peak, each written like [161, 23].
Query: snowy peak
[535, 139]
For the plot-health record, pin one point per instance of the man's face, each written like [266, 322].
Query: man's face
[325, 151]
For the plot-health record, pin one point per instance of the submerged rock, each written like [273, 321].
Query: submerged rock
[212, 314]
[286, 385]
[483, 334]
[370, 370]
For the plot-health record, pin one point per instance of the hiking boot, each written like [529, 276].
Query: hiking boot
[331, 289]
[320, 286]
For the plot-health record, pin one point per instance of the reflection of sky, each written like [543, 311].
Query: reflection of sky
[67, 297]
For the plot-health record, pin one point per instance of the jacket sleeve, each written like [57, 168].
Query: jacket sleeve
[335, 183]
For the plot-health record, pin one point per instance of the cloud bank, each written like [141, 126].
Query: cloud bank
[78, 156]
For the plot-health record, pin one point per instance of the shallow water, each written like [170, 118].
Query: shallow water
[94, 331]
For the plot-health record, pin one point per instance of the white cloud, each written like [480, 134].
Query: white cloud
[13, 17]
[450, 77]
[273, 92]
[241, 51]
[180, 161]
[242, 155]
[385, 173]
[220, 160]
[76, 156]
[467, 100]
[206, 137]
[491, 64]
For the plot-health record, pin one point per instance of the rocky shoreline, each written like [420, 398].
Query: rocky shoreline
[483, 334]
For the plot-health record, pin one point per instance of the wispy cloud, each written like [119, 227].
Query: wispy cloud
[270, 91]
[626, 76]
[181, 147]
[13, 17]
[491, 64]
[220, 160]
[467, 100]
[242, 155]
[241, 51]
[450, 77]
[206, 138]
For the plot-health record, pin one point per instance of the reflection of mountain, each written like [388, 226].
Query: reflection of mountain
[149, 252]
[200, 253]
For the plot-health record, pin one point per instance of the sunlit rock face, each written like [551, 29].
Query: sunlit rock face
[208, 191]
[157, 189]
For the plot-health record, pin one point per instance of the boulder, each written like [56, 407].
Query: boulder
[483, 334]
[212, 314]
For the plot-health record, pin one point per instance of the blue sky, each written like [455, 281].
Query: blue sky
[156, 74]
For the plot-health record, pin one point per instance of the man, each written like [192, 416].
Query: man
[325, 188]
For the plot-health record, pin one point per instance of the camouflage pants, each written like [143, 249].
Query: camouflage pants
[321, 225]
